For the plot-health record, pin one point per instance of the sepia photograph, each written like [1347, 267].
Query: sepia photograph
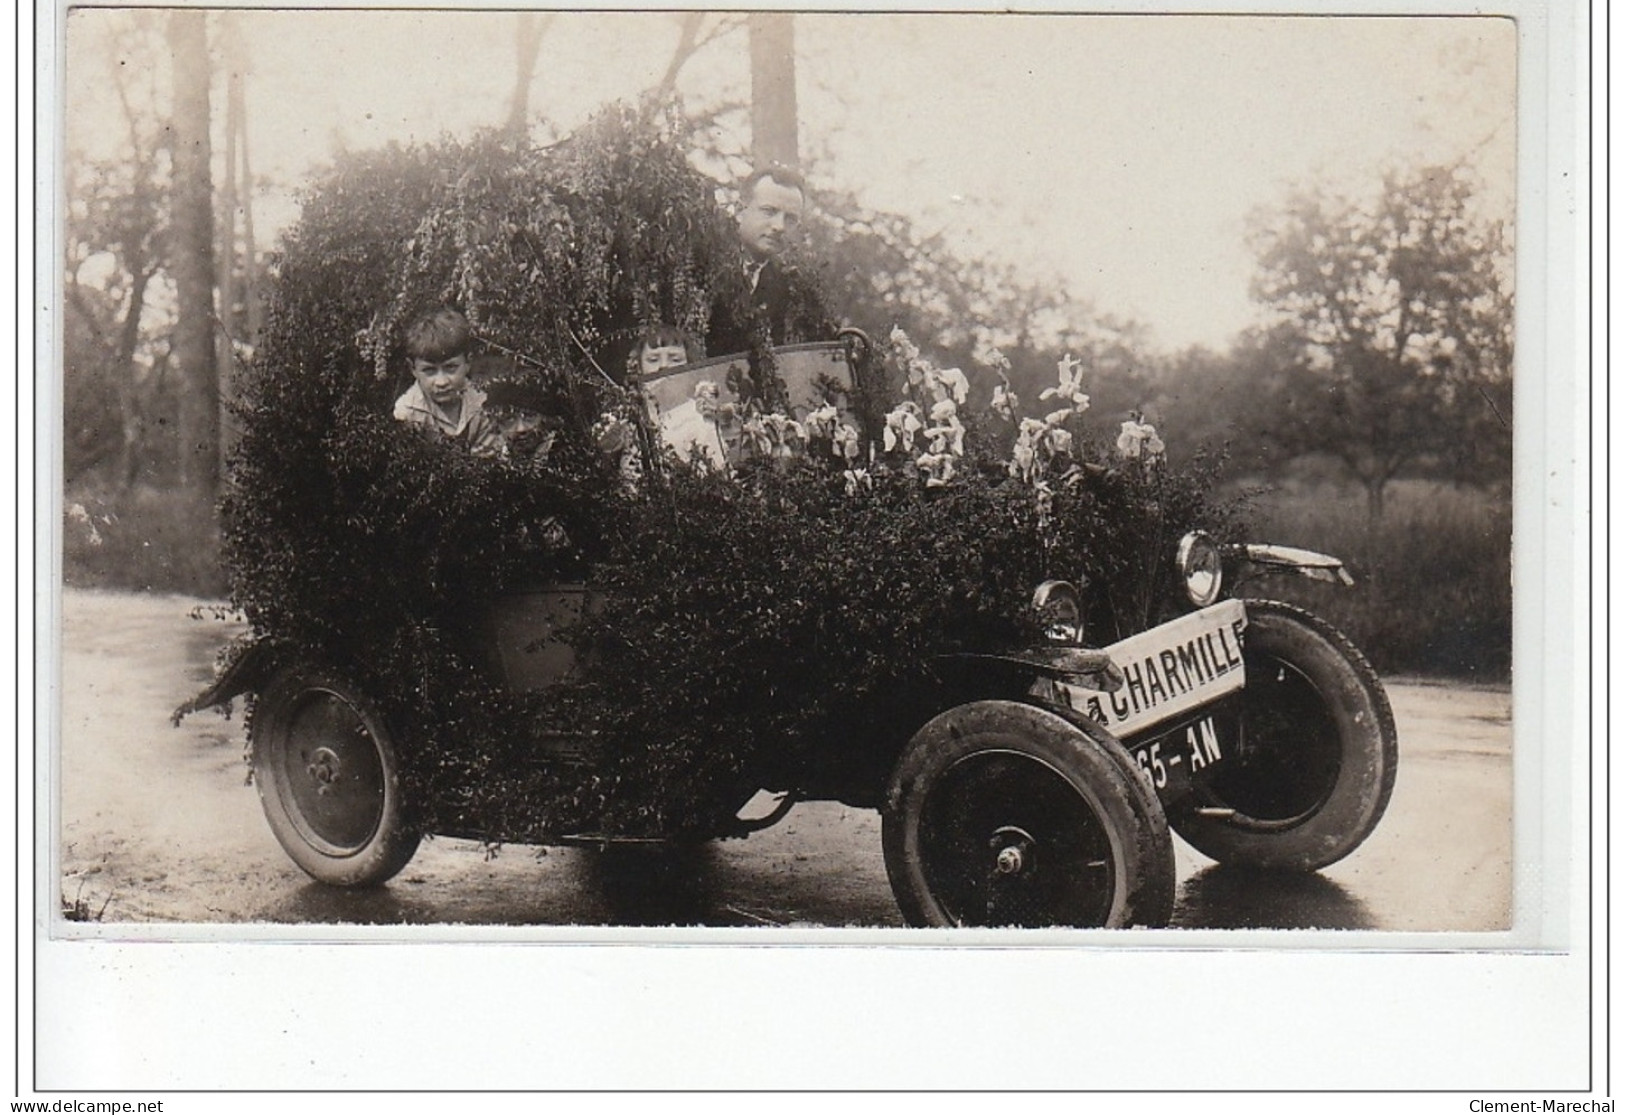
[1143, 509]
[790, 477]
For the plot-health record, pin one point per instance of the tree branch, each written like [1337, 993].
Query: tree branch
[689, 43]
[77, 300]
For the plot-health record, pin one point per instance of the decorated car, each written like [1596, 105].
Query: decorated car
[1025, 783]
[830, 570]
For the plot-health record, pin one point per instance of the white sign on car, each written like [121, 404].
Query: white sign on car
[1168, 670]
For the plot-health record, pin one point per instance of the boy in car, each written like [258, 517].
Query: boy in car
[441, 399]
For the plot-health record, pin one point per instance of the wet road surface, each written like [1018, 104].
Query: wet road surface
[158, 824]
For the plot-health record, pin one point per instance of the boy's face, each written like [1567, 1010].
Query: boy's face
[657, 359]
[442, 381]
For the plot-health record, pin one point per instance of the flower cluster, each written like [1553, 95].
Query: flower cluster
[1069, 390]
[824, 424]
[925, 433]
[1044, 446]
[771, 435]
[1005, 403]
[708, 401]
[925, 427]
[1139, 439]
[617, 439]
[902, 425]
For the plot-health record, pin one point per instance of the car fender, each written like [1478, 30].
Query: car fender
[1263, 559]
[1015, 674]
[247, 664]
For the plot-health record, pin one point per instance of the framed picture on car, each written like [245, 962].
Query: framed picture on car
[699, 408]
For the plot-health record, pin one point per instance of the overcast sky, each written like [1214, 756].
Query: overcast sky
[1120, 154]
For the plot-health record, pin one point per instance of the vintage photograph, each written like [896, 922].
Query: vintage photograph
[786, 471]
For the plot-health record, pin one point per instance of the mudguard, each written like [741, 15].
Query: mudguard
[249, 662]
[1289, 559]
[1016, 671]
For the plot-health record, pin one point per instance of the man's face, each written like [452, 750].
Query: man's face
[442, 381]
[769, 217]
[656, 359]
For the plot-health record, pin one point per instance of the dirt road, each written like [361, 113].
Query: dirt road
[158, 824]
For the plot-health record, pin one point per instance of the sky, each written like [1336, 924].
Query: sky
[1117, 156]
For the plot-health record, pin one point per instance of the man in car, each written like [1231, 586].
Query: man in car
[771, 302]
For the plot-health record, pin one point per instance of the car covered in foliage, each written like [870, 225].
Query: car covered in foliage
[1020, 644]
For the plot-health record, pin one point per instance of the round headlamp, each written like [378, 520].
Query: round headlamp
[1061, 611]
[1200, 568]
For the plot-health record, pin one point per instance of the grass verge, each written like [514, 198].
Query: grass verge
[1433, 576]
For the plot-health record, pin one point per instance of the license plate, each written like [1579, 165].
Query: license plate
[1169, 671]
[1169, 762]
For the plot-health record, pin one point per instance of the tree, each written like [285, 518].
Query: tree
[125, 253]
[1391, 344]
[192, 258]
[116, 244]
[773, 89]
[527, 45]
[236, 266]
[692, 37]
[1226, 400]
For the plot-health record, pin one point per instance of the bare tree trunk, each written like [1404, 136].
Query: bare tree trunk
[226, 245]
[253, 313]
[773, 89]
[131, 416]
[192, 258]
[1375, 503]
[527, 46]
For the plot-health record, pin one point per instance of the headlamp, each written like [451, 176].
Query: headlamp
[1061, 611]
[1200, 568]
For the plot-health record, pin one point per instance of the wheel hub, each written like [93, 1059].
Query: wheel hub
[981, 823]
[1013, 851]
[324, 768]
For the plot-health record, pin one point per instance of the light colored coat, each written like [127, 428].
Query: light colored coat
[472, 425]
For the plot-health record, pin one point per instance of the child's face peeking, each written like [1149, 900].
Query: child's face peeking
[655, 360]
[442, 381]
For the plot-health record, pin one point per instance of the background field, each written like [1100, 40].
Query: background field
[1433, 579]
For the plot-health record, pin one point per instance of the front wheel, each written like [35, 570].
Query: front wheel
[1316, 757]
[1002, 814]
[329, 780]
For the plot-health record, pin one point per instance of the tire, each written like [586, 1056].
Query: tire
[1000, 813]
[329, 780]
[1317, 755]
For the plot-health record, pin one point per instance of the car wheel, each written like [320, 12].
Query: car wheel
[329, 779]
[1316, 755]
[1003, 814]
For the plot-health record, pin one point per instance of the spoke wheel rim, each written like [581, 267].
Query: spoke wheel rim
[330, 773]
[1006, 839]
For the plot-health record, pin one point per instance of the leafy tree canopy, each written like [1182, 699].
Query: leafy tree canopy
[1391, 345]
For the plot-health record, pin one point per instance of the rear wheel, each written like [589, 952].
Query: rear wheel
[1001, 814]
[1316, 757]
[329, 780]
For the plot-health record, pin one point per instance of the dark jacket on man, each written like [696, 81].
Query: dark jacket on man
[783, 307]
